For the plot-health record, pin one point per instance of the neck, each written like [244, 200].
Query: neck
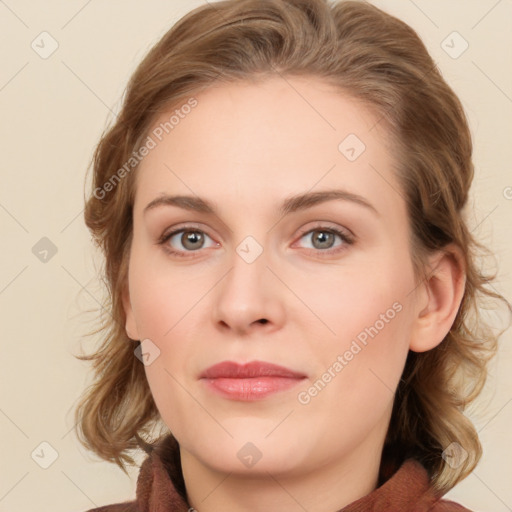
[328, 488]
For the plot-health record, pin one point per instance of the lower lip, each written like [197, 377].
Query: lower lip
[255, 388]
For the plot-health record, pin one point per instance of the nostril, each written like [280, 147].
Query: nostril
[263, 321]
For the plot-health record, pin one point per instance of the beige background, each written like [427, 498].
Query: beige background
[52, 113]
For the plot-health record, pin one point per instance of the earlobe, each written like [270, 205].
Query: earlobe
[441, 295]
[130, 326]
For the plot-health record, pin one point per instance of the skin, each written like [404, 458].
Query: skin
[246, 148]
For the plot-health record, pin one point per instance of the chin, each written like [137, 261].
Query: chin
[250, 460]
[255, 448]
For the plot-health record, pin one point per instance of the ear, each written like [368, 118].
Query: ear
[438, 299]
[130, 326]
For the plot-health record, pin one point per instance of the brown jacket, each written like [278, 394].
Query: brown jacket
[160, 488]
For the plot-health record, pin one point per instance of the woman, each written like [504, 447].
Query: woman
[293, 285]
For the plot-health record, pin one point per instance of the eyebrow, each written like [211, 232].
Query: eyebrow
[290, 205]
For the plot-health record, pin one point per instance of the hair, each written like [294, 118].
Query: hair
[374, 58]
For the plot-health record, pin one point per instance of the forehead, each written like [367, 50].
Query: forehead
[275, 138]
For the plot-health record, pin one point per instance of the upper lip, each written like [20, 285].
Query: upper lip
[232, 370]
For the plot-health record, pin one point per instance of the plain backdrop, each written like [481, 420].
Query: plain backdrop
[53, 110]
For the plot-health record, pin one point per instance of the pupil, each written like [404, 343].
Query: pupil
[324, 238]
[191, 238]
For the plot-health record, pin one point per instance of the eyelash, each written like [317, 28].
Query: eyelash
[345, 237]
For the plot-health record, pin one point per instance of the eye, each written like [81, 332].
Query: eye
[324, 239]
[185, 240]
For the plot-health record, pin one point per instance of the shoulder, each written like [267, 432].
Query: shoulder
[127, 506]
[447, 506]
[410, 488]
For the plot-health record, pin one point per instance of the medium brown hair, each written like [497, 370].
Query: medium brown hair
[375, 58]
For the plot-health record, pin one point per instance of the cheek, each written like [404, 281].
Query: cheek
[172, 396]
[162, 298]
[351, 301]
[359, 370]
[369, 315]
[167, 311]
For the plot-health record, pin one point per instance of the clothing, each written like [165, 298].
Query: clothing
[160, 488]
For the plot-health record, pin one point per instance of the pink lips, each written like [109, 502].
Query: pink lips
[251, 381]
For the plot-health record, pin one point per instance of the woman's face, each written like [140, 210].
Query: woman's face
[281, 270]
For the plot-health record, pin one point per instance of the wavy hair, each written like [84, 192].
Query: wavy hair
[375, 58]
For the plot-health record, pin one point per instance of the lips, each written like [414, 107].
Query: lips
[252, 381]
[232, 370]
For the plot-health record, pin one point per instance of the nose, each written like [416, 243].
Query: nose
[249, 298]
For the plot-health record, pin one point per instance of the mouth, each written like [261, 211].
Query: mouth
[248, 382]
